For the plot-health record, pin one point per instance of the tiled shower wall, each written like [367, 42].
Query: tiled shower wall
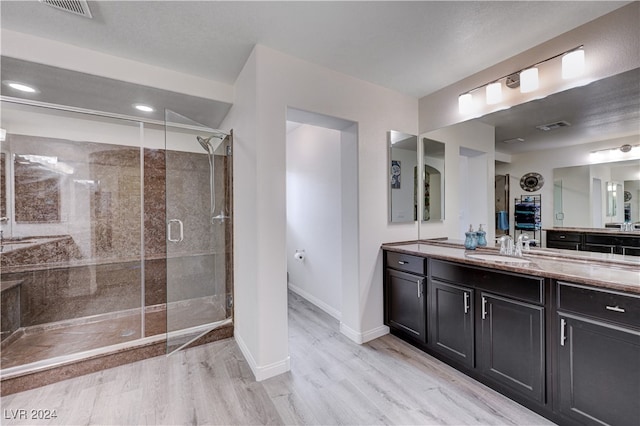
[100, 205]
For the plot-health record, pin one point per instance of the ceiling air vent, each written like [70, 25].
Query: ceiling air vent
[77, 7]
[553, 126]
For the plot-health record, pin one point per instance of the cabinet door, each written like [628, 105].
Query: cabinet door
[405, 304]
[511, 345]
[451, 321]
[599, 372]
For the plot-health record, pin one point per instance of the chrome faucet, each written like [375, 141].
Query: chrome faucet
[506, 245]
[522, 239]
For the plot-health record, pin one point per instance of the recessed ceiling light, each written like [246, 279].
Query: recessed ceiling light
[142, 107]
[20, 86]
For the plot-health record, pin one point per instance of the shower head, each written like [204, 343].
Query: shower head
[205, 143]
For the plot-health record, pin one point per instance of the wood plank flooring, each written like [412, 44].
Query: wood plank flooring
[332, 381]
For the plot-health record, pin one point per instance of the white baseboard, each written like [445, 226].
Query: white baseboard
[314, 300]
[266, 371]
[365, 337]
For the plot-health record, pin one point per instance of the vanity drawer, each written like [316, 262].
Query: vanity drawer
[610, 306]
[568, 237]
[406, 262]
[530, 289]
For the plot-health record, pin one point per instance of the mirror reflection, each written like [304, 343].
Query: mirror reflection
[433, 180]
[574, 140]
[403, 177]
[597, 195]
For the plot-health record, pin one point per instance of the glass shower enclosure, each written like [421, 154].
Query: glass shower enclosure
[116, 234]
[199, 240]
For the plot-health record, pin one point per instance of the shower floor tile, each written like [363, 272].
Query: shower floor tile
[42, 343]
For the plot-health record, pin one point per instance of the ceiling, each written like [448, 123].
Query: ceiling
[414, 47]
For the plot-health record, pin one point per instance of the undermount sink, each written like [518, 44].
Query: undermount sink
[497, 258]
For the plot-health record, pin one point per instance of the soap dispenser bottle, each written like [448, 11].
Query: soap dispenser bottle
[470, 241]
[481, 235]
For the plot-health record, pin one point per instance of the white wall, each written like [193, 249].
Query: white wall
[269, 83]
[314, 211]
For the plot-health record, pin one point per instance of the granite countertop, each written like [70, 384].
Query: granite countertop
[613, 231]
[620, 273]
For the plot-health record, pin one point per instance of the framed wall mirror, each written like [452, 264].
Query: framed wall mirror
[403, 177]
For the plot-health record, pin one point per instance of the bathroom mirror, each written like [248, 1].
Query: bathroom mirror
[432, 180]
[597, 195]
[403, 177]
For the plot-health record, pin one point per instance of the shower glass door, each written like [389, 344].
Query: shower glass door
[198, 230]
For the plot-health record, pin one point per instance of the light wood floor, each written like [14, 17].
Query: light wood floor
[332, 381]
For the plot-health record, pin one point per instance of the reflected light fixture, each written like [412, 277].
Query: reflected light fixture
[494, 93]
[625, 151]
[573, 64]
[144, 108]
[17, 85]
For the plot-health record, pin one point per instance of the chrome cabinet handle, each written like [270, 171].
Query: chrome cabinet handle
[563, 336]
[419, 288]
[484, 307]
[402, 262]
[466, 302]
[615, 308]
[181, 228]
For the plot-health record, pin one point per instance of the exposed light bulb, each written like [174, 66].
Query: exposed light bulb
[573, 64]
[465, 103]
[529, 80]
[494, 93]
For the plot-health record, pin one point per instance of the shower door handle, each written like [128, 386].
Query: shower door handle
[181, 227]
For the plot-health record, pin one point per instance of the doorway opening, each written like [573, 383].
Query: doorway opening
[322, 208]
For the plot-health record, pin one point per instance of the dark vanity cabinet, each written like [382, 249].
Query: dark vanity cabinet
[569, 352]
[511, 345]
[491, 321]
[404, 295]
[451, 322]
[598, 355]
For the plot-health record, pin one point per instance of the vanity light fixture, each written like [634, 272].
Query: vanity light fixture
[494, 93]
[527, 79]
[465, 103]
[573, 64]
[144, 108]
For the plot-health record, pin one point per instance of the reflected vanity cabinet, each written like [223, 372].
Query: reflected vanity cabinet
[597, 242]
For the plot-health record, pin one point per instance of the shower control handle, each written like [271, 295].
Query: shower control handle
[181, 227]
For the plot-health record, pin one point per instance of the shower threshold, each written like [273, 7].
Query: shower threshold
[33, 372]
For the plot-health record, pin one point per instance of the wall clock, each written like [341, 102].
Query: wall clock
[531, 182]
